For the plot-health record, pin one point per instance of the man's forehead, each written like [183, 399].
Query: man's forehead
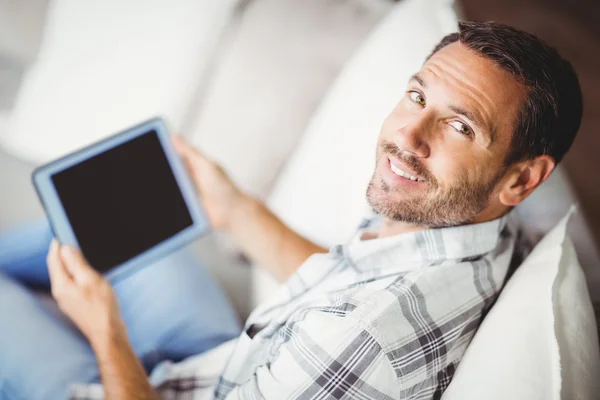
[459, 65]
[463, 65]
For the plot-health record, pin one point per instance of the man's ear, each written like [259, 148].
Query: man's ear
[525, 178]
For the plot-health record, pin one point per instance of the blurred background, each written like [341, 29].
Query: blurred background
[269, 88]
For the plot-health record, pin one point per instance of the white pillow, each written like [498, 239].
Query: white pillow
[104, 65]
[270, 78]
[545, 207]
[321, 192]
[539, 340]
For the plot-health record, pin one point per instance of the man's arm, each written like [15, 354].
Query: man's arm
[268, 241]
[123, 376]
[326, 356]
[259, 233]
[89, 301]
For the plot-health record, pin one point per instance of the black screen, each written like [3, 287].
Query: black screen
[122, 202]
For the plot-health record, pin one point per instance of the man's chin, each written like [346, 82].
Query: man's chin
[392, 194]
[392, 205]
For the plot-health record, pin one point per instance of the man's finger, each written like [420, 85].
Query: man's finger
[190, 154]
[183, 148]
[184, 151]
[180, 144]
[77, 265]
[59, 276]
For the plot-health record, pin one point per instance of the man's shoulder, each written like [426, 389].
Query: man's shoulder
[421, 324]
[430, 302]
[413, 325]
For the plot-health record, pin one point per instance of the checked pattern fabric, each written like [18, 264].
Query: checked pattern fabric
[383, 318]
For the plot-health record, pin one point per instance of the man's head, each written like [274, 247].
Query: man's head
[480, 126]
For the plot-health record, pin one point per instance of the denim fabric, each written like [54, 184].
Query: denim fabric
[172, 309]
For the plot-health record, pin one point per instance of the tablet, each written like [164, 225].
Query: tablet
[125, 201]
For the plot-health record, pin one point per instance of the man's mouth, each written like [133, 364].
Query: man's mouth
[398, 171]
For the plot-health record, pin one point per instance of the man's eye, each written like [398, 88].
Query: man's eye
[417, 97]
[461, 128]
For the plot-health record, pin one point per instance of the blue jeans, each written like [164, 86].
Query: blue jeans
[173, 309]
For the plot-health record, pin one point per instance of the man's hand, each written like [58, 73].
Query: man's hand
[260, 234]
[220, 196]
[88, 299]
[84, 295]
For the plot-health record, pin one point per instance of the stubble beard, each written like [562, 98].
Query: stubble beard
[438, 207]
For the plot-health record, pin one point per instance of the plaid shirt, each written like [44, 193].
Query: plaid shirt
[385, 318]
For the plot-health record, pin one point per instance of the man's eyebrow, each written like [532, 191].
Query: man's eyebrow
[417, 78]
[476, 118]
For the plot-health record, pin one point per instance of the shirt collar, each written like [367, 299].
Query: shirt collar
[422, 248]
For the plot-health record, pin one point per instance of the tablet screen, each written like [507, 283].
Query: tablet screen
[122, 202]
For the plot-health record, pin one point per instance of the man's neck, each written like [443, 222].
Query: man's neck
[392, 228]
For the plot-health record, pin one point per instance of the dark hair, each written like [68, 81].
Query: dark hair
[550, 116]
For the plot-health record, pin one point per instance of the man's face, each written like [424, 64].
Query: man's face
[440, 155]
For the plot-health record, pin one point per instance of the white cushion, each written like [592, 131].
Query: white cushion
[321, 192]
[271, 76]
[104, 65]
[575, 329]
[545, 207]
[539, 340]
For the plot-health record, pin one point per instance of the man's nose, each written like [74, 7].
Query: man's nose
[413, 136]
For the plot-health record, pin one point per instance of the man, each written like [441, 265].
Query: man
[389, 314]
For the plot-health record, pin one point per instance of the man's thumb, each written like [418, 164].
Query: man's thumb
[76, 264]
